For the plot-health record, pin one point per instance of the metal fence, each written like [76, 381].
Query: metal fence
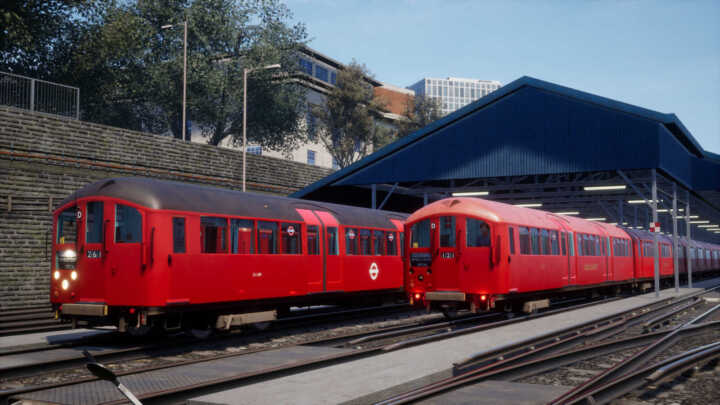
[39, 95]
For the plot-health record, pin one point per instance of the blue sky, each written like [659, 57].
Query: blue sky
[661, 55]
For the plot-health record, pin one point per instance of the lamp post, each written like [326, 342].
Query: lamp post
[184, 137]
[244, 134]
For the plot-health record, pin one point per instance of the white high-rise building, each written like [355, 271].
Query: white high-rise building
[452, 93]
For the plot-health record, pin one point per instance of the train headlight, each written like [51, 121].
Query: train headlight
[69, 254]
[73, 275]
[56, 275]
[65, 284]
[67, 259]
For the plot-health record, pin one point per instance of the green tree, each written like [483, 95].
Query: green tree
[420, 111]
[347, 120]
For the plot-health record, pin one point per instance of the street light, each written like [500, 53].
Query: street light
[244, 144]
[184, 72]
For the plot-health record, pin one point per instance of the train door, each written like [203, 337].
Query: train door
[572, 258]
[315, 264]
[331, 251]
[444, 252]
[123, 233]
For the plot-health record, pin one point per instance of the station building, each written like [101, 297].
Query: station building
[543, 145]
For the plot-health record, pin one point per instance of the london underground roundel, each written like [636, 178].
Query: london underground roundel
[374, 271]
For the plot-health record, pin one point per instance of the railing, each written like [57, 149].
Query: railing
[39, 95]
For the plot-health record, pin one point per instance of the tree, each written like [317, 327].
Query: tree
[420, 112]
[347, 125]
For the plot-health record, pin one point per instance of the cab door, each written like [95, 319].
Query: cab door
[91, 261]
[123, 232]
[444, 250]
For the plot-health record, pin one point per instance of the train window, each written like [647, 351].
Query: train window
[545, 241]
[477, 233]
[313, 240]
[535, 241]
[554, 242]
[420, 234]
[598, 245]
[267, 237]
[511, 236]
[332, 241]
[524, 236]
[128, 224]
[178, 235]
[447, 231]
[291, 244]
[351, 241]
[213, 231]
[571, 240]
[94, 222]
[365, 242]
[563, 243]
[379, 242]
[390, 244]
[648, 249]
[242, 236]
[402, 243]
[67, 226]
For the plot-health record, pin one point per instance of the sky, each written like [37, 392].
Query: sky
[659, 55]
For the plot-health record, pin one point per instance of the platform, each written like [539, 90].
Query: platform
[375, 378]
[53, 337]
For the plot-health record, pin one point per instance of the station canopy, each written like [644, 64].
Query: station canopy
[559, 149]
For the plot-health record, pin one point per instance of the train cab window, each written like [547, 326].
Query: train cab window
[128, 224]
[291, 239]
[447, 231]
[178, 235]
[535, 241]
[477, 233]
[332, 241]
[544, 242]
[351, 241]
[213, 234]
[67, 226]
[242, 236]
[524, 236]
[378, 243]
[420, 234]
[94, 222]
[511, 236]
[267, 237]
[365, 242]
[554, 243]
[313, 240]
[390, 244]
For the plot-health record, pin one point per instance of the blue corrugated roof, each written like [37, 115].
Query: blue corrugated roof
[576, 125]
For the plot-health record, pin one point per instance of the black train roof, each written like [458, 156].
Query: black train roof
[171, 195]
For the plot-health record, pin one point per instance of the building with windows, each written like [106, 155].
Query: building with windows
[318, 73]
[452, 93]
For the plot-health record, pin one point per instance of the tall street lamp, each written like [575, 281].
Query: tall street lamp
[184, 137]
[244, 144]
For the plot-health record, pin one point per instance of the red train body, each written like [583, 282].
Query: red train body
[141, 252]
[469, 252]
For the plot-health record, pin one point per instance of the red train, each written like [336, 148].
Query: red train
[139, 252]
[479, 254]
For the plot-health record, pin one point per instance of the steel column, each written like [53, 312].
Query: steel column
[425, 199]
[675, 239]
[620, 212]
[656, 259]
[688, 236]
[374, 196]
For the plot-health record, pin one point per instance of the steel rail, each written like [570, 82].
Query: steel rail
[664, 318]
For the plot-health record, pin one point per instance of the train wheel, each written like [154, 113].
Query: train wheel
[141, 331]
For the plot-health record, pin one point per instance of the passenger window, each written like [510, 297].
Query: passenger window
[332, 241]
[242, 236]
[378, 243]
[524, 236]
[447, 231]
[67, 226]
[402, 244]
[94, 222]
[313, 240]
[511, 235]
[291, 239]
[535, 240]
[420, 234]
[571, 240]
[554, 243]
[267, 237]
[390, 244]
[351, 241]
[365, 242]
[477, 233]
[213, 231]
[128, 224]
[545, 241]
[563, 243]
[178, 235]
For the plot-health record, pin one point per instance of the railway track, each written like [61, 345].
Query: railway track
[611, 357]
[322, 351]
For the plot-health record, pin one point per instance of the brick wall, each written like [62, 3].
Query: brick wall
[44, 158]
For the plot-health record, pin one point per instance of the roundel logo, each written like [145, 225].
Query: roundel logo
[291, 230]
[79, 214]
[374, 271]
[351, 234]
[391, 237]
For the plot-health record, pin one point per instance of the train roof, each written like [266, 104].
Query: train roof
[170, 195]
